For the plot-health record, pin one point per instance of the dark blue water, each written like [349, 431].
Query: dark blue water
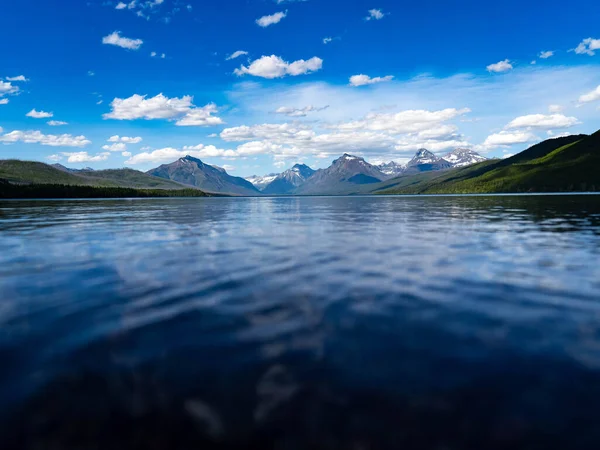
[291, 323]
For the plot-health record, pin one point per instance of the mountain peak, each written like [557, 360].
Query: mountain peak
[424, 153]
[189, 158]
[461, 157]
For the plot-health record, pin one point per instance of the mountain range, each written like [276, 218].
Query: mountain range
[563, 164]
[348, 172]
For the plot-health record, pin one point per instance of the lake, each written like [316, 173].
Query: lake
[319, 322]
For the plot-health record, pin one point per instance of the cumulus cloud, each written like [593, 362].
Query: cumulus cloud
[375, 14]
[57, 123]
[376, 133]
[275, 67]
[126, 154]
[236, 54]
[115, 38]
[508, 138]
[7, 88]
[170, 154]
[266, 21]
[363, 80]
[552, 121]
[116, 147]
[588, 47]
[161, 107]
[200, 117]
[39, 114]
[125, 139]
[590, 96]
[17, 78]
[3, 101]
[82, 157]
[299, 112]
[502, 66]
[37, 137]
[546, 54]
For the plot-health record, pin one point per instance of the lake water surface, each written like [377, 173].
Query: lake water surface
[291, 323]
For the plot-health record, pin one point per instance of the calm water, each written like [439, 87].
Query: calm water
[290, 323]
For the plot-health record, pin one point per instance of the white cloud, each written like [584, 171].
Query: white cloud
[275, 67]
[236, 54]
[54, 158]
[588, 47]
[17, 78]
[116, 147]
[546, 54]
[37, 137]
[299, 112]
[375, 14]
[502, 66]
[126, 154]
[57, 123]
[81, 157]
[376, 133]
[115, 38]
[170, 154]
[125, 139]
[327, 40]
[555, 109]
[590, 96]
[39, 114]
[497, 100]
[552, 121]
[162, 107]
[266, 21]
[3, 101]
[7, 88]
[507, 138]
[228, 168]
[91, 73]
[121, 5]
[200, 117]
[363, 80]
[155, 55]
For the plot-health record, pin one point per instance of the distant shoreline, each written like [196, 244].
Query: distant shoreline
[60, 191]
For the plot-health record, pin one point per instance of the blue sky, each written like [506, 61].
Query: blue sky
[140, 83]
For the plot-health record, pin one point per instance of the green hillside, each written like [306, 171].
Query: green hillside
[31, 172]
[569, 164]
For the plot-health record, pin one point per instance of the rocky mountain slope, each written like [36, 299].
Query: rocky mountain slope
[193, 172]
[345, 173]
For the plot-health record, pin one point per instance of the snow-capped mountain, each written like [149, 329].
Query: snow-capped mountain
[286, 182]
[425, 161]
[391, 169]
[462, 157]
[262, 182]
